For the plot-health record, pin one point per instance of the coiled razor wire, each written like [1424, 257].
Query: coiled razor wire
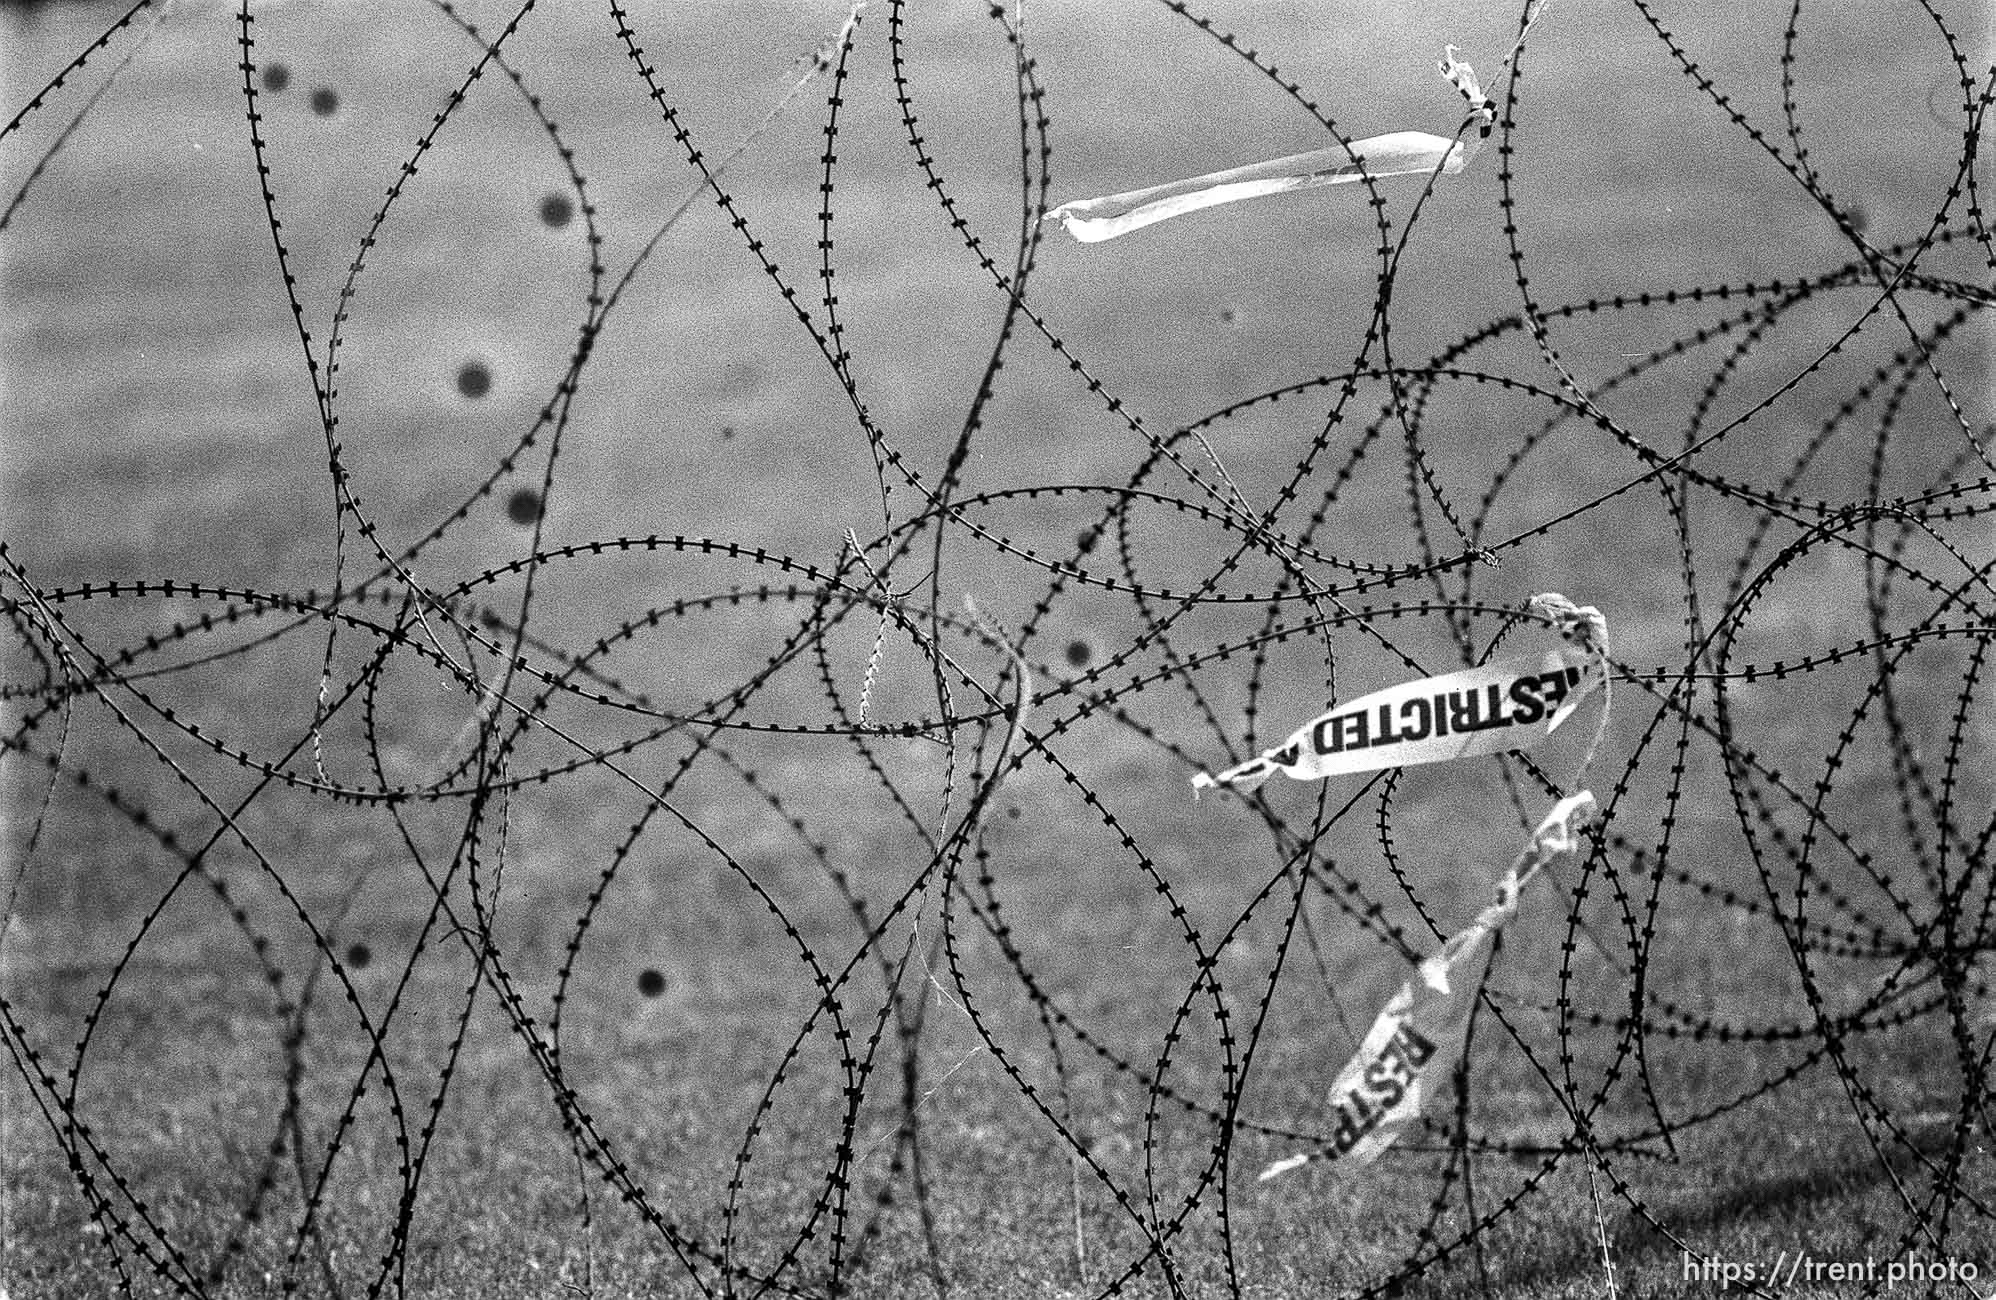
[558, 744]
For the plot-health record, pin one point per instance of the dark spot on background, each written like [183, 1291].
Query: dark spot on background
[276, 77]
[474, 379]
[325, 101]
[557, 210]
[650, 983]
[524, 506]
[1079, 653]
[358, 955]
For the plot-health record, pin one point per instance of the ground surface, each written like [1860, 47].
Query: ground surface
[764, 956]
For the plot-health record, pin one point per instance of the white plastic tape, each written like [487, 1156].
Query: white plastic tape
[1489, 709]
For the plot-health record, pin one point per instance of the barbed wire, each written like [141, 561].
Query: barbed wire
[841, 921]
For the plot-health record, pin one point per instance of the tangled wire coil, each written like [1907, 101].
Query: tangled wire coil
[502, 834]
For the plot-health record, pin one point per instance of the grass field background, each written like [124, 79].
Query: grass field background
[160, 424]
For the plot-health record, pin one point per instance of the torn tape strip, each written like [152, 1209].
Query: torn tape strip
[1412, 1048]
[1488, 709]
[1398, 153]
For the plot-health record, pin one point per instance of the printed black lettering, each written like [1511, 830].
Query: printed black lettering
[1386, 1083]
[1385, 734]
[1526, 706]
[1465, 711]
[1441, 714]
[1359, 729]
[1423, 719]
[1325, 737]
[1352, 1125]
[1419, 1051]
[1554, 687]
[1396, 1052]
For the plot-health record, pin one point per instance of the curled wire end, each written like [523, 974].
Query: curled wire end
[1463, 77]
[1585, 625]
